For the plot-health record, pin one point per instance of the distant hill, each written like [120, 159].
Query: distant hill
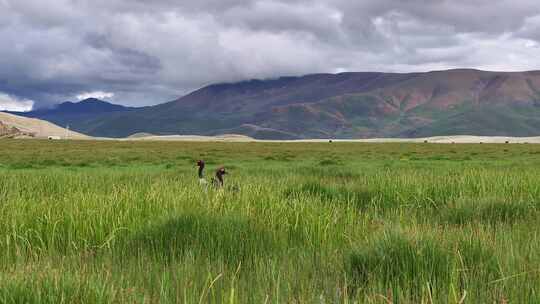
[87, 106]
[75, 114]
[347, 105]
[13, 126]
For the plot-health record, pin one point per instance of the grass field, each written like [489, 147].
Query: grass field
[127, 222]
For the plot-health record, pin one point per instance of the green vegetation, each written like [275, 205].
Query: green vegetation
[127, 222]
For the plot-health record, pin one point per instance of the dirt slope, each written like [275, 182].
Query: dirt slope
[31, 127]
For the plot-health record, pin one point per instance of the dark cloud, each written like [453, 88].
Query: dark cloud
[147, 52]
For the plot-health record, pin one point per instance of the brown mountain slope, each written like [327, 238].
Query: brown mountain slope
[348, 105]
[449, 88]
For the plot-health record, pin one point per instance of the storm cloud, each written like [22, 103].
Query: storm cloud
[138, 52]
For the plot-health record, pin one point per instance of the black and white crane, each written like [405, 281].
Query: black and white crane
[201, 165]
[217, 181]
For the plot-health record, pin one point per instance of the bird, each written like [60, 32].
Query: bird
[202, 181]
[218, 180]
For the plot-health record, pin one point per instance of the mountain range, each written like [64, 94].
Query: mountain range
[75, 114]
[346, 105]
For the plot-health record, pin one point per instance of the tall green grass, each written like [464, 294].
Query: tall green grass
[113, 222]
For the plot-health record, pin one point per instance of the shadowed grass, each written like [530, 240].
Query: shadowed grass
[477, 260]
[230, 239]
[361, 199]
[400, 263]
[488, 212]
[416, 268]
[61, 288]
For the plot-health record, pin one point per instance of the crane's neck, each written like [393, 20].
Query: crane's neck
[201, 168]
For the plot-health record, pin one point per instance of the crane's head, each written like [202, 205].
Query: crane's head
[200, 163]
[222, 171]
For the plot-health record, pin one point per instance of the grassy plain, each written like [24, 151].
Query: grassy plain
[127, 222]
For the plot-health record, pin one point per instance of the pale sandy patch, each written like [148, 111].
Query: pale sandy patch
[40, 128]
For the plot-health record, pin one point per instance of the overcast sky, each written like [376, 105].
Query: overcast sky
[142, 52]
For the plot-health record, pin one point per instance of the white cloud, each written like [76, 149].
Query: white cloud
[10, 103]
[95, 94]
